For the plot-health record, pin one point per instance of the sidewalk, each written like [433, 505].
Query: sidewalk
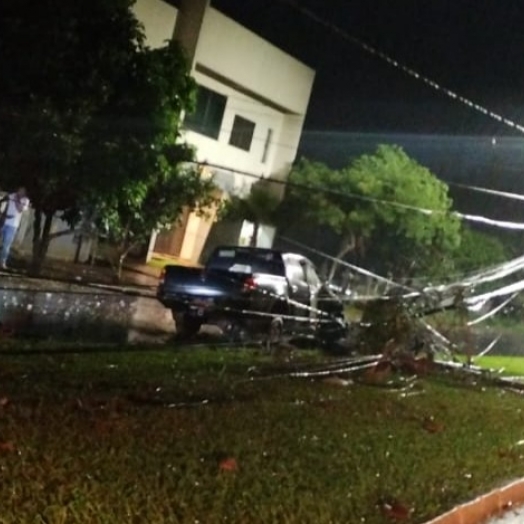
[133, 275]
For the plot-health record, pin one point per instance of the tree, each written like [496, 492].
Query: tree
[260, 207]
[478, 250]
[91, 118]
[145, 174]
[128, 222]
[375, 192]
[59, 63]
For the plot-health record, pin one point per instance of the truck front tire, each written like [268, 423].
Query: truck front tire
[331, 336]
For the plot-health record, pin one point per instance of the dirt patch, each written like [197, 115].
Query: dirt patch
[135, 274]
[82, 302]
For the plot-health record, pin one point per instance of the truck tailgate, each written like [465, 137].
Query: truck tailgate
[187, 283]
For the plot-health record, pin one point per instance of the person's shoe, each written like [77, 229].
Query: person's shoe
[3, 266]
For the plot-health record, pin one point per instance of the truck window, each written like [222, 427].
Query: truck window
[295, 271]
[245, 260]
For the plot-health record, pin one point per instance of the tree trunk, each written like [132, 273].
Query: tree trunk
[37, 231]
[347, 244]
[41, 240]
[78, 250]
[120, 267]
[254, 237]
[122, 255]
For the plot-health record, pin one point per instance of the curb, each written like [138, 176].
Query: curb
[486, 506]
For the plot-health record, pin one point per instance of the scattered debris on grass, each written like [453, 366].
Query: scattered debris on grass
[7, 447]
[228, 464]
[395, 510]
[337, 381]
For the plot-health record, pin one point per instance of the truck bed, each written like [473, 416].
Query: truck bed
[185, 283]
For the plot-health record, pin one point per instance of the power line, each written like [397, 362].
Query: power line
[255, 137]
[503, 224]
[399, 65]
[222, 129]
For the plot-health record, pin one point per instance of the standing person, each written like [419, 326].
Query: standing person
[16, 204]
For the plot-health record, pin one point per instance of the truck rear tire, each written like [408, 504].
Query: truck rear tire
[186, 325]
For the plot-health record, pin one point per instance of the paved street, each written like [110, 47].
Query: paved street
[511, 517]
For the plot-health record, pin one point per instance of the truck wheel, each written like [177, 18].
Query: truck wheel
[331, 336]
[186, 325]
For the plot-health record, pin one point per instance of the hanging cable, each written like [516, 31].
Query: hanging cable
[402, 67]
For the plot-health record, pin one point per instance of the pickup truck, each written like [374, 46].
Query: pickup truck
[255, 291]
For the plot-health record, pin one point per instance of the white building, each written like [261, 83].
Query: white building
[252, 103]
[251, 108]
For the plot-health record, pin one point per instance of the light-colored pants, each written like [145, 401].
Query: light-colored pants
[8, 236]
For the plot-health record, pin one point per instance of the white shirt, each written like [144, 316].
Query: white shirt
[14, 216]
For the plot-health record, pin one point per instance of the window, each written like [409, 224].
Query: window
[207, 117]
[257, 260]
[266, 145]
[295, 272]
[242, 133]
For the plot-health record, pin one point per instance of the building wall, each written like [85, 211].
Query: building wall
[286, 150]
[159, 20]
[262, 84]
[218, 151]
[229, 49]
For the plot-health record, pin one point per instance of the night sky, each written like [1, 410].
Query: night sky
[474, 47]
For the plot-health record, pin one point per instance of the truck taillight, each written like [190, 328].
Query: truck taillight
[249, 284]
[162, 276]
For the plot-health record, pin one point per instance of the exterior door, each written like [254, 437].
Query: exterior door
[169, 242]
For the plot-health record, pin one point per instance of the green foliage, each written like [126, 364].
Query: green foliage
[138, 437]
[129, 216]
[143, 173]
[478, 250]
[509, 366]
[353, 201]
[59, 64]
[91, 118]
[259, 206]
[399, 256]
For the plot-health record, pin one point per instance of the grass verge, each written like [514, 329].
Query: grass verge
[185, 437]
[159, 261]
[512, 366]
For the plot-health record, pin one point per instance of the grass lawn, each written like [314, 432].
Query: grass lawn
[512, 366]
[159, 261]
[141, 437]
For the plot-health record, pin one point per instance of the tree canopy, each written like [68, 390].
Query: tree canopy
[60, 62]
[91, 118]
[386, 191]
